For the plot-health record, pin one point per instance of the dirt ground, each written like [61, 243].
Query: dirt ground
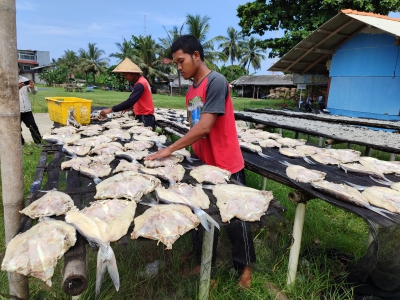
[43, 122]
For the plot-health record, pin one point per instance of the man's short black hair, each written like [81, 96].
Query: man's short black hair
[188, 44]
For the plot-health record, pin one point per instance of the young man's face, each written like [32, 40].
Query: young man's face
[187, 64]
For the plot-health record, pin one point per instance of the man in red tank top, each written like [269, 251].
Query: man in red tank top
[141, 99]
[214, 140]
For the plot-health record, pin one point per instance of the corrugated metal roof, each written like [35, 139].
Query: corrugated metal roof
[311, 54]
[264, 80]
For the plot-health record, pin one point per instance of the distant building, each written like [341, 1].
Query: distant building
[259, 86]
[33, 62]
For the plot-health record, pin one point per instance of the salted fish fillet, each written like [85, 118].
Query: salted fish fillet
[37, 251]
[155, 138]
[301, 174]
[379, 166]
[64, 130]
[127, 166]
[269, 143]
[173, 173]
[289, 142]
[76, 163]
[139, 129]
[250, 139]
[185, 193]
[93, 141]
[309, 150]
[104, 220]
[164, 161]
[165, 223]
[211, 174]
[132, 155]
[76, 150]
[115, 133]
[242, 202]
[95, 170]
[359, 168]
[342, 191]
[130, 185]
[106, 148]
[344, 155]
[384, 197]
[102, 159]
[101, 223]
[53, 203]
[291, 152]
[325, 158]
[138, 145]
[90, 132]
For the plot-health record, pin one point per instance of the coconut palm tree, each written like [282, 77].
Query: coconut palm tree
[70, 60]
[91, 61]
[231, 44]
[165, 44]
[146, 54]
[125, 50]
[252, 54]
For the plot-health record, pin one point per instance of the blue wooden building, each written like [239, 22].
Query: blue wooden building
[360, 52]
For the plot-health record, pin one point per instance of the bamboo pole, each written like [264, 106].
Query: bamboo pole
[206, 259]
[10, 138]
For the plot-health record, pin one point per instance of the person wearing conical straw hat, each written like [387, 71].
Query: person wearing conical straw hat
[140, 100]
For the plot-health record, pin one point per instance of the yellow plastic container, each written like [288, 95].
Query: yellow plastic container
[60, 106]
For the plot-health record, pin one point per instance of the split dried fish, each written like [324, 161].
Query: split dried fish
[301, 174]
[185, 193]
[106, 148]
[101, 223]
[37, 251]
[165, 223]
[129, 185]
[172, 173]
[269, 143]
[211, 174]
[164, 161]
[240, 201]
[124, 166]
[289, 142]
[53, 203]
[138, 145]
[132, 155]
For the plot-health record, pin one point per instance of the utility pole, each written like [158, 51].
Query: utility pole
[10, 138]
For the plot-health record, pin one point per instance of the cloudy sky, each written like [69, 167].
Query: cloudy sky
[57, 26]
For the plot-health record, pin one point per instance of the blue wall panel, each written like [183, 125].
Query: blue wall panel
[365, 76]
[367, 55]
[380, 95]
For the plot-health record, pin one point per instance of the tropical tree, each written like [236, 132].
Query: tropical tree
[198, 27]
[125, 50]
[252, 54]
[69, 60]
[298, 18]
[231, 44]
[165, 47]
[233, 72]
[146, 54]
[91, 61]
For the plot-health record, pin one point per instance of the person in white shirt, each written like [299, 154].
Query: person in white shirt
[27, 86]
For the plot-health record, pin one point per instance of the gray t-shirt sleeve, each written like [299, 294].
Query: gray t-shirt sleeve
[217, 91]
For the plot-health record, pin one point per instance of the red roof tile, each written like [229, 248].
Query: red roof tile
[369, 14]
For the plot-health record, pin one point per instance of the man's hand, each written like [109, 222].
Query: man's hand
[20, 85]
[164, 152]
[31, 84]
[105, 112]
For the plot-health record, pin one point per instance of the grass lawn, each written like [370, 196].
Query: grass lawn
[326, 227]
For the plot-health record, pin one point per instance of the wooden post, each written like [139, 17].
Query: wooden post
[264, 183]
[368, 151]
[392, 157]
[297, 234]
[206, 258]
[320, 141]
[10, 138]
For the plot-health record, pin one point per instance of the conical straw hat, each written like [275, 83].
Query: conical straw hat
[127, 66]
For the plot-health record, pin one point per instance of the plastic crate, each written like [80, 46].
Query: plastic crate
[59, 107]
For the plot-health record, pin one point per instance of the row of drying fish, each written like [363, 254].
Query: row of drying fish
[382, 200]
[161, 222]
